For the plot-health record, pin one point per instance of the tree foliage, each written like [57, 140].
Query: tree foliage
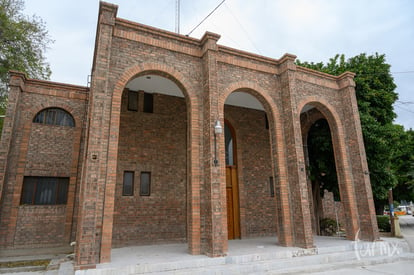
[23, 41]
[403, 164]
[386, 144]
[321, 158]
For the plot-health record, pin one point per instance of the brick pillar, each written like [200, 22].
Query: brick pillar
[8, 183]
[299, 198]
[213, 209]
[94, 235]
[352, 124]
[280, 174]
[194, 177]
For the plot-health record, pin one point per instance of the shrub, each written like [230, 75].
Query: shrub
[384, 224]
[328, 227]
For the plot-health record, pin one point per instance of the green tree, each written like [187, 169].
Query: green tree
[321, 159]
[403, 164]
[375, 92]
[23, 41]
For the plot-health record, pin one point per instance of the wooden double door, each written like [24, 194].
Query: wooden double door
[233, 209]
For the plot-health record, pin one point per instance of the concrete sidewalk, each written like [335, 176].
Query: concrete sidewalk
[331, 255]
[256, 256]
[407, 229]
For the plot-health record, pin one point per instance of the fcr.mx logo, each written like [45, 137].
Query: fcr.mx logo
[372, 249]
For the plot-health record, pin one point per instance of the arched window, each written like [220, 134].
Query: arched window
[54, 116]
[228, 136]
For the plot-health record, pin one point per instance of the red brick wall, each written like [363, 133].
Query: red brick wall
[156, 143]
[50, 150]
[49, 154]
[40, 225]
[41, 150]
[333, 209]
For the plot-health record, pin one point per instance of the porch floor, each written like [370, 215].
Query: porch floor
[153, 254]
[161, 258]
[246, 256]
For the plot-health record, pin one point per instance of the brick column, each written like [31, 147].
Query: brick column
[96, 190]
[213, 209]
[353, 132]
[8, 205]
[299, 204]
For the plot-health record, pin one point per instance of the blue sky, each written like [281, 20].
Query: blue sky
[313, 30]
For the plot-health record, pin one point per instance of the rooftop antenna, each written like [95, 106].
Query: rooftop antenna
[177, 16]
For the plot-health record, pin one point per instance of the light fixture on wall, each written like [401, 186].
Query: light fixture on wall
[218, 129]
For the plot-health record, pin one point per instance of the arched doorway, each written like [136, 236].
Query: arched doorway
[326, 207]
[151, 187]
[232, 186]
[251, 207]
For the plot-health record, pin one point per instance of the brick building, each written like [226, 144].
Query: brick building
[176, 140]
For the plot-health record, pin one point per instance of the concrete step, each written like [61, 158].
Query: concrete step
[286, 261]
[344, 264]
[285, 268]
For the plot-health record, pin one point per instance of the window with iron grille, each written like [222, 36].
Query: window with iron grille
[54, 116]
[44, 190]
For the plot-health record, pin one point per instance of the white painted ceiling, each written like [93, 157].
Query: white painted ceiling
[161, 85]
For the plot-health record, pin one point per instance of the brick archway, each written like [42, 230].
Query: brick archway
[346, 188]
[192, 155]
[279, 167]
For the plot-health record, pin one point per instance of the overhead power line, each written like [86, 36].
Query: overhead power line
[404, 109]
[405, 102]
[385, 73]
[244, 30]
[404, 72]
[205, 18]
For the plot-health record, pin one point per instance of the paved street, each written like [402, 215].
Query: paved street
[401, 268]
[407, 229]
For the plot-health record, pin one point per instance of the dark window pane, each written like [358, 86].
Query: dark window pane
[128, 187]
[62, 192]
[145, 187]
[29, 184]
[46, 191]
[132, 101]
[272, 187]
[148, 103]
[229, 145]
[50, 116]
[39, 118]
[54, 116]
[266, 122]
[59, 117]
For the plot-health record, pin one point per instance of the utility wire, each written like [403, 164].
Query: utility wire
[404, 72]
[227, 36]
[206, 18]
[244, 30]
[407, 110]
[385, 73]
[404, 102]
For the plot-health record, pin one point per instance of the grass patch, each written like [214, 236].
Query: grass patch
[44, 263]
